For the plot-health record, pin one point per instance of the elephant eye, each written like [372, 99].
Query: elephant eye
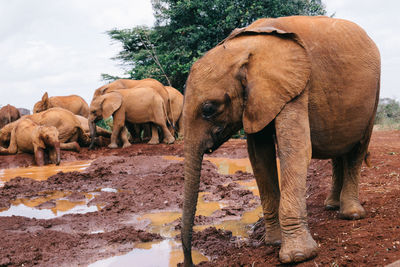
[208, 110]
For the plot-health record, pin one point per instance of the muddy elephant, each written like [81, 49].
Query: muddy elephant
[28, 136]
[130, 84]
[300, 87]
[138, 105]
[71, 134]
[73, 103]
[8, 114]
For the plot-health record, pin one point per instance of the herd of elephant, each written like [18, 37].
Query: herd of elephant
[300, 87]
[67, 122]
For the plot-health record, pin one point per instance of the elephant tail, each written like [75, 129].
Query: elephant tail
[367, 159]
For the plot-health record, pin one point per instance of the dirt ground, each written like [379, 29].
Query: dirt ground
[143, 181]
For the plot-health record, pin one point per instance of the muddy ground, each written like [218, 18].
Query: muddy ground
[147, 182]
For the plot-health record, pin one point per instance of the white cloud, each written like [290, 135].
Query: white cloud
[381, 21]
[61, 46]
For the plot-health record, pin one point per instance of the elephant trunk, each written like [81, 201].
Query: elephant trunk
[58, 153]
[92, 128]
[193, 160]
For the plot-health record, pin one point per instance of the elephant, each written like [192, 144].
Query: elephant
[176, 99]
[8, 114]
[71, 134]
[138, 105]
[301, 87]
[73, 103]
[130, 84]
[28, 136]
[85, 126]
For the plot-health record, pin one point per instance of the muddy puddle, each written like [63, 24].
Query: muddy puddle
[224, 165]
[164, 253]
[42, 173]
[169, 251]
[50, 204]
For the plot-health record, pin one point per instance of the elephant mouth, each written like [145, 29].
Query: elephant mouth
[219, 136]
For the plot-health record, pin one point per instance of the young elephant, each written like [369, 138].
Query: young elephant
[304, 86]
[71, 134]
[8, 114]
[73, 103]
[139, 105]
[30, 137]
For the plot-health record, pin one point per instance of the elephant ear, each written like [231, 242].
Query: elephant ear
[275, 73]
[45, 100]
[112, 102]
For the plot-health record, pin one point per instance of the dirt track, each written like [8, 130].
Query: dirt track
[130, 190]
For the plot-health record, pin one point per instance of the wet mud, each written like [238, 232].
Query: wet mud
[122, 206]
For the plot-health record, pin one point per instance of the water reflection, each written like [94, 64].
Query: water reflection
[162, 253]
[224, 165]
[51, 205]
[42, 173]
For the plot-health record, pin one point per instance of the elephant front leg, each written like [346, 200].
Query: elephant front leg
[39, 156]
[261, 148]
[124, 137]
[294, 149]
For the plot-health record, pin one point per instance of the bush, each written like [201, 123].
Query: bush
[388, 113]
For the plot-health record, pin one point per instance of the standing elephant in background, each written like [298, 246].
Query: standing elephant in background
[131, 84]
[306, 86]
[71, 134]
[73, 103]
[30, 137]
[8, 114]
[176, 99]
[138, 105]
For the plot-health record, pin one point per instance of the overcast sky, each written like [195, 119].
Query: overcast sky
[61, 46]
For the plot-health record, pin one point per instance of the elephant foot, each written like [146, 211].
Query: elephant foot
[331, 204]
[298, 248]
[351, 210]
[153, 142]
[126, 145]
[112, 145]
[273, 235]
[170, 140]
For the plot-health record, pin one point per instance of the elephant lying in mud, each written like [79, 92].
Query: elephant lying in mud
[73, 103]
[30, 137]
[138, 105]
[71, 134]
[306, 86]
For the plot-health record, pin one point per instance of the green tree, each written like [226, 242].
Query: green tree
[185, 29]
[388, 112]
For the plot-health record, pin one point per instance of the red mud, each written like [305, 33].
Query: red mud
[146, 182]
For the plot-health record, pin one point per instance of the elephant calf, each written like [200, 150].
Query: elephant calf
[30, 137]
[8, 114]
[73, 103]
[138, 105]
[302, 88]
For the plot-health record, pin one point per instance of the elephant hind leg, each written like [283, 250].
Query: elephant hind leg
[332, 202]
[261, 149]
[154, 135]
[350, 207]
